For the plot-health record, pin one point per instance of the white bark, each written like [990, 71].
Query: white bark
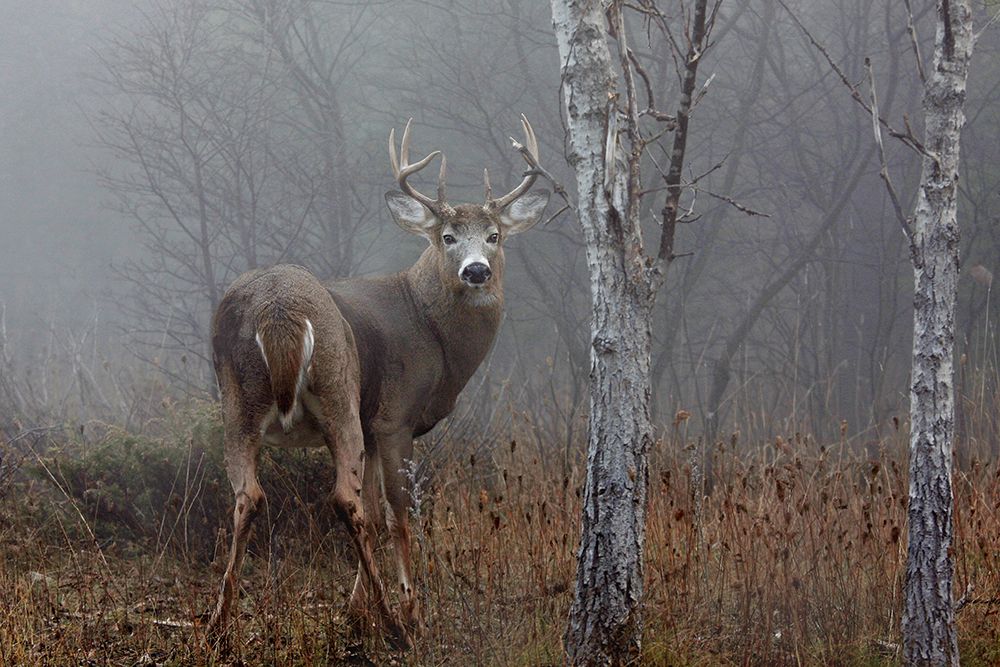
[604, 626]
[929, 636]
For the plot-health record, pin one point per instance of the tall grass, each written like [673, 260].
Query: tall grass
[111, 550]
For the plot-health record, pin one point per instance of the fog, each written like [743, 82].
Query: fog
[57, 239]
[794, 319]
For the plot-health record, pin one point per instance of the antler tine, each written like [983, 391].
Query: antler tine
[404, 145]
[392, 153]
[529, 151]
[441, 178]
[402, 169]
[529, 134]
[489, 188]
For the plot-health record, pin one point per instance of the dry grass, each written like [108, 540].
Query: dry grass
[797, 557]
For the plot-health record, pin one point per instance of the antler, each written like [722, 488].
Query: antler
[529, 151]
[402, 169]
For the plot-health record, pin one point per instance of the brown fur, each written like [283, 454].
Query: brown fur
[281, 337]
[390, 356]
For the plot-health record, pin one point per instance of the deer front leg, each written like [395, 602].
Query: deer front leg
[395, 452]
[347, 447]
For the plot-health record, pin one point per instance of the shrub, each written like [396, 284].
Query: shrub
[170, 488]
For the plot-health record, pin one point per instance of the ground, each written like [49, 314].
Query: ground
[111, 550]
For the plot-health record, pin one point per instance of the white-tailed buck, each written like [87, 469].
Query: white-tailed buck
[363, 366]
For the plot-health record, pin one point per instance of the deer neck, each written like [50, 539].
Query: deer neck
[463, 320]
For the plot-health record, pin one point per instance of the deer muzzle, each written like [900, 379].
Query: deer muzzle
[475, 272]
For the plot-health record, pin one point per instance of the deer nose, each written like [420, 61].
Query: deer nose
[476, 273]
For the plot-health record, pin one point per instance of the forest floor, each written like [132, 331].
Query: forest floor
[111, 551]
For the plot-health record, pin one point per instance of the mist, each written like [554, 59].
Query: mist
[818, 279]
[153, 151]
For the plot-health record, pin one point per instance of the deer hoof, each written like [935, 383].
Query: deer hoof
[399, 637]
[217, 637]
[415, 623]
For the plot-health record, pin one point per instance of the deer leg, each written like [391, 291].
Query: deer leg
[347, 447]
[241, 466]
[371, 499]
[395, 452]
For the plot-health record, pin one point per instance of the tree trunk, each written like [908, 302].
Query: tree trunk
[604, 626]
[929, 636]
[712, 222]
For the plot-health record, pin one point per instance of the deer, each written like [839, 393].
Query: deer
[363, 366]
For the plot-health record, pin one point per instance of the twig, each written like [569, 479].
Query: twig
[650, 99]
[703, 90]
[964, 600]
[989, 22]
[906, 137]
[167, 623]
[967, 599]
[884, 170]
[913, 41]
[538, 170]
[716, 167]
[660, 116]
[650, 109]
[562, 209]
[686, 216]
[735, 204]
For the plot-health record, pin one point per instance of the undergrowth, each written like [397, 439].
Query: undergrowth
[113, 545]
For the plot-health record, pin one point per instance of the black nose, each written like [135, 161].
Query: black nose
[476, 273]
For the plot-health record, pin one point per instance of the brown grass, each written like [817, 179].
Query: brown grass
[797, 557]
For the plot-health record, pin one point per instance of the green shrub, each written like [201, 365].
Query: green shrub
[171, 490]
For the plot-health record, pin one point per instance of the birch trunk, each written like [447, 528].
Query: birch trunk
[604, 626]
[928, 622]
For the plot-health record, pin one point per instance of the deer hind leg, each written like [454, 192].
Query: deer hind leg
[241, 466]
[394, 454]
[371, 501]
[347, 447]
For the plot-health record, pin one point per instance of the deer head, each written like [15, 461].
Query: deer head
[467, 239]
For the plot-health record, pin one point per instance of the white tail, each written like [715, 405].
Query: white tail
[364, 366]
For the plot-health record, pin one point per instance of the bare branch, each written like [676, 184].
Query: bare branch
[735, 204]
[699, 30]
[913, 41]
[537, 170]
[906, 137]
[884, 170]
[986, 26]
[650, 99]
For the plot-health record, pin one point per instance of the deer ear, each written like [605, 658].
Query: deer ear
[409, 214]
[524, 212]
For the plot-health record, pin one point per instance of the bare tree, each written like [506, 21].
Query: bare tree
[606, 148]
[928, 620]
[929, 636]
[219, 168]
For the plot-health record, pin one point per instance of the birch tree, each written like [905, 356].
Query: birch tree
[229, 154]
[928, 619]
[929, 636]
[606, 145]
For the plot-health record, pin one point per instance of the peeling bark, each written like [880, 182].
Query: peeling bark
[929, 636]
[605, 625]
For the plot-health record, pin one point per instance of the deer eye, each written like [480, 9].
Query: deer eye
[448, 239]
[493, 238]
